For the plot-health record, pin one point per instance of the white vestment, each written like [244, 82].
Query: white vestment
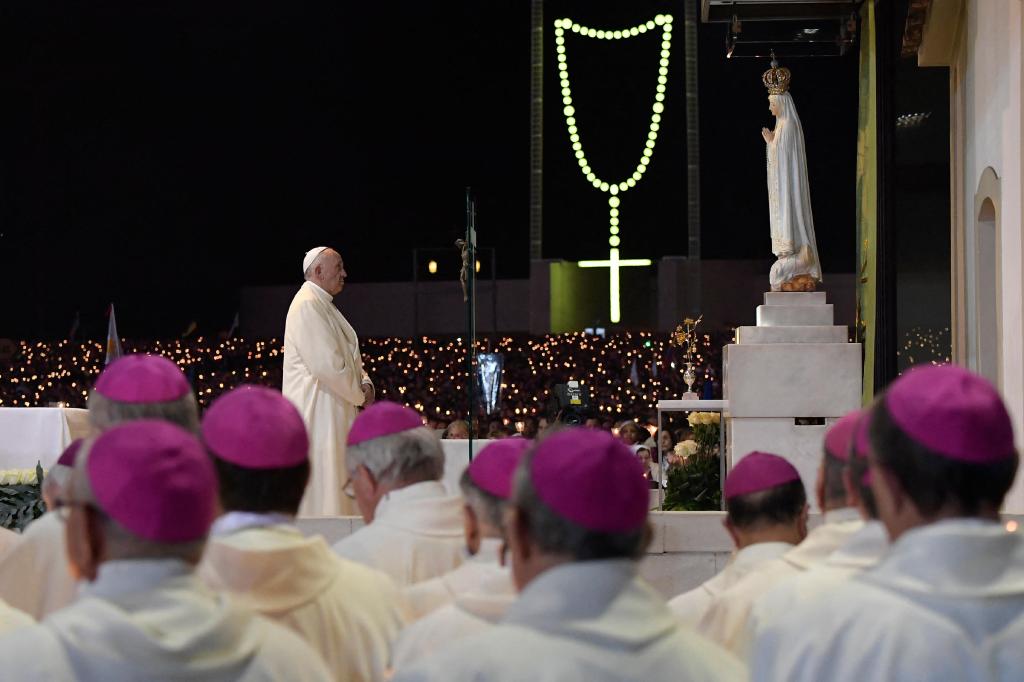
[861, 551]
[153, 620]
[416, 534]
[429, 595]
[323, 377]
[348, 613]
[946, 603]
[789, 199]
[481, 598]
[725, 621]
[35, 574]
[689, 607]
[592, 621]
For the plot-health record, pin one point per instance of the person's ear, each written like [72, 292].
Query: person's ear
[802, 523]
[731, 530]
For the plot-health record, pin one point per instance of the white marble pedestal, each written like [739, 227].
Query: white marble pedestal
[787, 379]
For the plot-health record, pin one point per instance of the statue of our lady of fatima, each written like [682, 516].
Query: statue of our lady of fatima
[789, 194]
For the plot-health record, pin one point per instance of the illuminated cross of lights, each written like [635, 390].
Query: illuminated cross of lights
[613, 189]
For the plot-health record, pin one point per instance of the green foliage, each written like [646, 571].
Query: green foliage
[22, 503]
[695, 484]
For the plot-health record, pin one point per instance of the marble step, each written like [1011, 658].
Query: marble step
[795, 334]
[794, 298]
[795, 315]
[792, 379]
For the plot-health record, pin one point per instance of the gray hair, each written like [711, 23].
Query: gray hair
[835, 488]
[554, 534]
[56, 479]
[105, 413]
[401, 458]
[487, 506]
[121, 543]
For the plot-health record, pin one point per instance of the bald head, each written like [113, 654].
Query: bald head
[327, 271]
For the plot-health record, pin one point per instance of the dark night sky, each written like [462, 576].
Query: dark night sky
[164, 154]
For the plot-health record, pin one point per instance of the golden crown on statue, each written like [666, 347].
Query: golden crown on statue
[777, 78]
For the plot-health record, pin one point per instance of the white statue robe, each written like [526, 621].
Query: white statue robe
[35, 574]
[946, 603]
[859, 552]
[348, 613]
[323, 377]
[416, 534]
[153, 620]
[725, 621]
[429, 595]
[590, 620]
[789, 199]
[475, 607]
[689, 607]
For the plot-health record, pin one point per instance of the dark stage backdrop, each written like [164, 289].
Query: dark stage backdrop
[161, 155]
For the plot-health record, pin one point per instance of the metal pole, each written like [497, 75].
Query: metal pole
[471, 309]
[494, 291]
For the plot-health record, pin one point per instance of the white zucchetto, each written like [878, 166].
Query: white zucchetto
[311, 256]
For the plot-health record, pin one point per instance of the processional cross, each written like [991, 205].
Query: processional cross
[614, 262]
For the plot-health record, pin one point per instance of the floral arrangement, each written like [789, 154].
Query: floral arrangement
[694, 480]
[21, 497]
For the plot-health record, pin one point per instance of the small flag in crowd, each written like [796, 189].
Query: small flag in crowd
[234, 327]
[634, 375]
[113, 340]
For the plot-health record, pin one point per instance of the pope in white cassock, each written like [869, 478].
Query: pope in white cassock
[577, 527]
[138, 510]
[947, 601]
[324, 377]
[476, 594]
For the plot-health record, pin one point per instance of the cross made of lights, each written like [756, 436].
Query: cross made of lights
[614, 262]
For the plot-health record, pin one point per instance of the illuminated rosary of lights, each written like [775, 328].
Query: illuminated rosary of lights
[614, 262]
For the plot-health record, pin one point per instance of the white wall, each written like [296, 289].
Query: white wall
[991, 53]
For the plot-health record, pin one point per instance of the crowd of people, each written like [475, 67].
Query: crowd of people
[625, 373]
[170, 550]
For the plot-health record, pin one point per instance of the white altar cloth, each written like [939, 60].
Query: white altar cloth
[38, 434]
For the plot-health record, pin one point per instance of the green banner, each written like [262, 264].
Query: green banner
[867, 198]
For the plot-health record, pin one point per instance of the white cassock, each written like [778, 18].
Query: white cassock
[689, 607]
[12, 619]
[348, 613]
[861, 551]
[154, 620]
[474, 608]
[416, 534]
[35, 574]
[946, 603]
[7, 539]
[323, 377]
[725, 620]
[592, 621]
[429, 595]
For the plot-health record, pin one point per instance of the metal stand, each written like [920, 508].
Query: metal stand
[469, 272]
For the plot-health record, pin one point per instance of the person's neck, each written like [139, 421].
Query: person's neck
[899, 527]
[320, 287]
[528, 571]
[756, 536]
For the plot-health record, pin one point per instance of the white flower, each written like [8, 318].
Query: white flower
[685, 448]
[27, 476]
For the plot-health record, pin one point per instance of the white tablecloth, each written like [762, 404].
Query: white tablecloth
[456, 459]
[38, 434]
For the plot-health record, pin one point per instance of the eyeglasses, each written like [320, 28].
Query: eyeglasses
[349, 488]
[62, 508]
